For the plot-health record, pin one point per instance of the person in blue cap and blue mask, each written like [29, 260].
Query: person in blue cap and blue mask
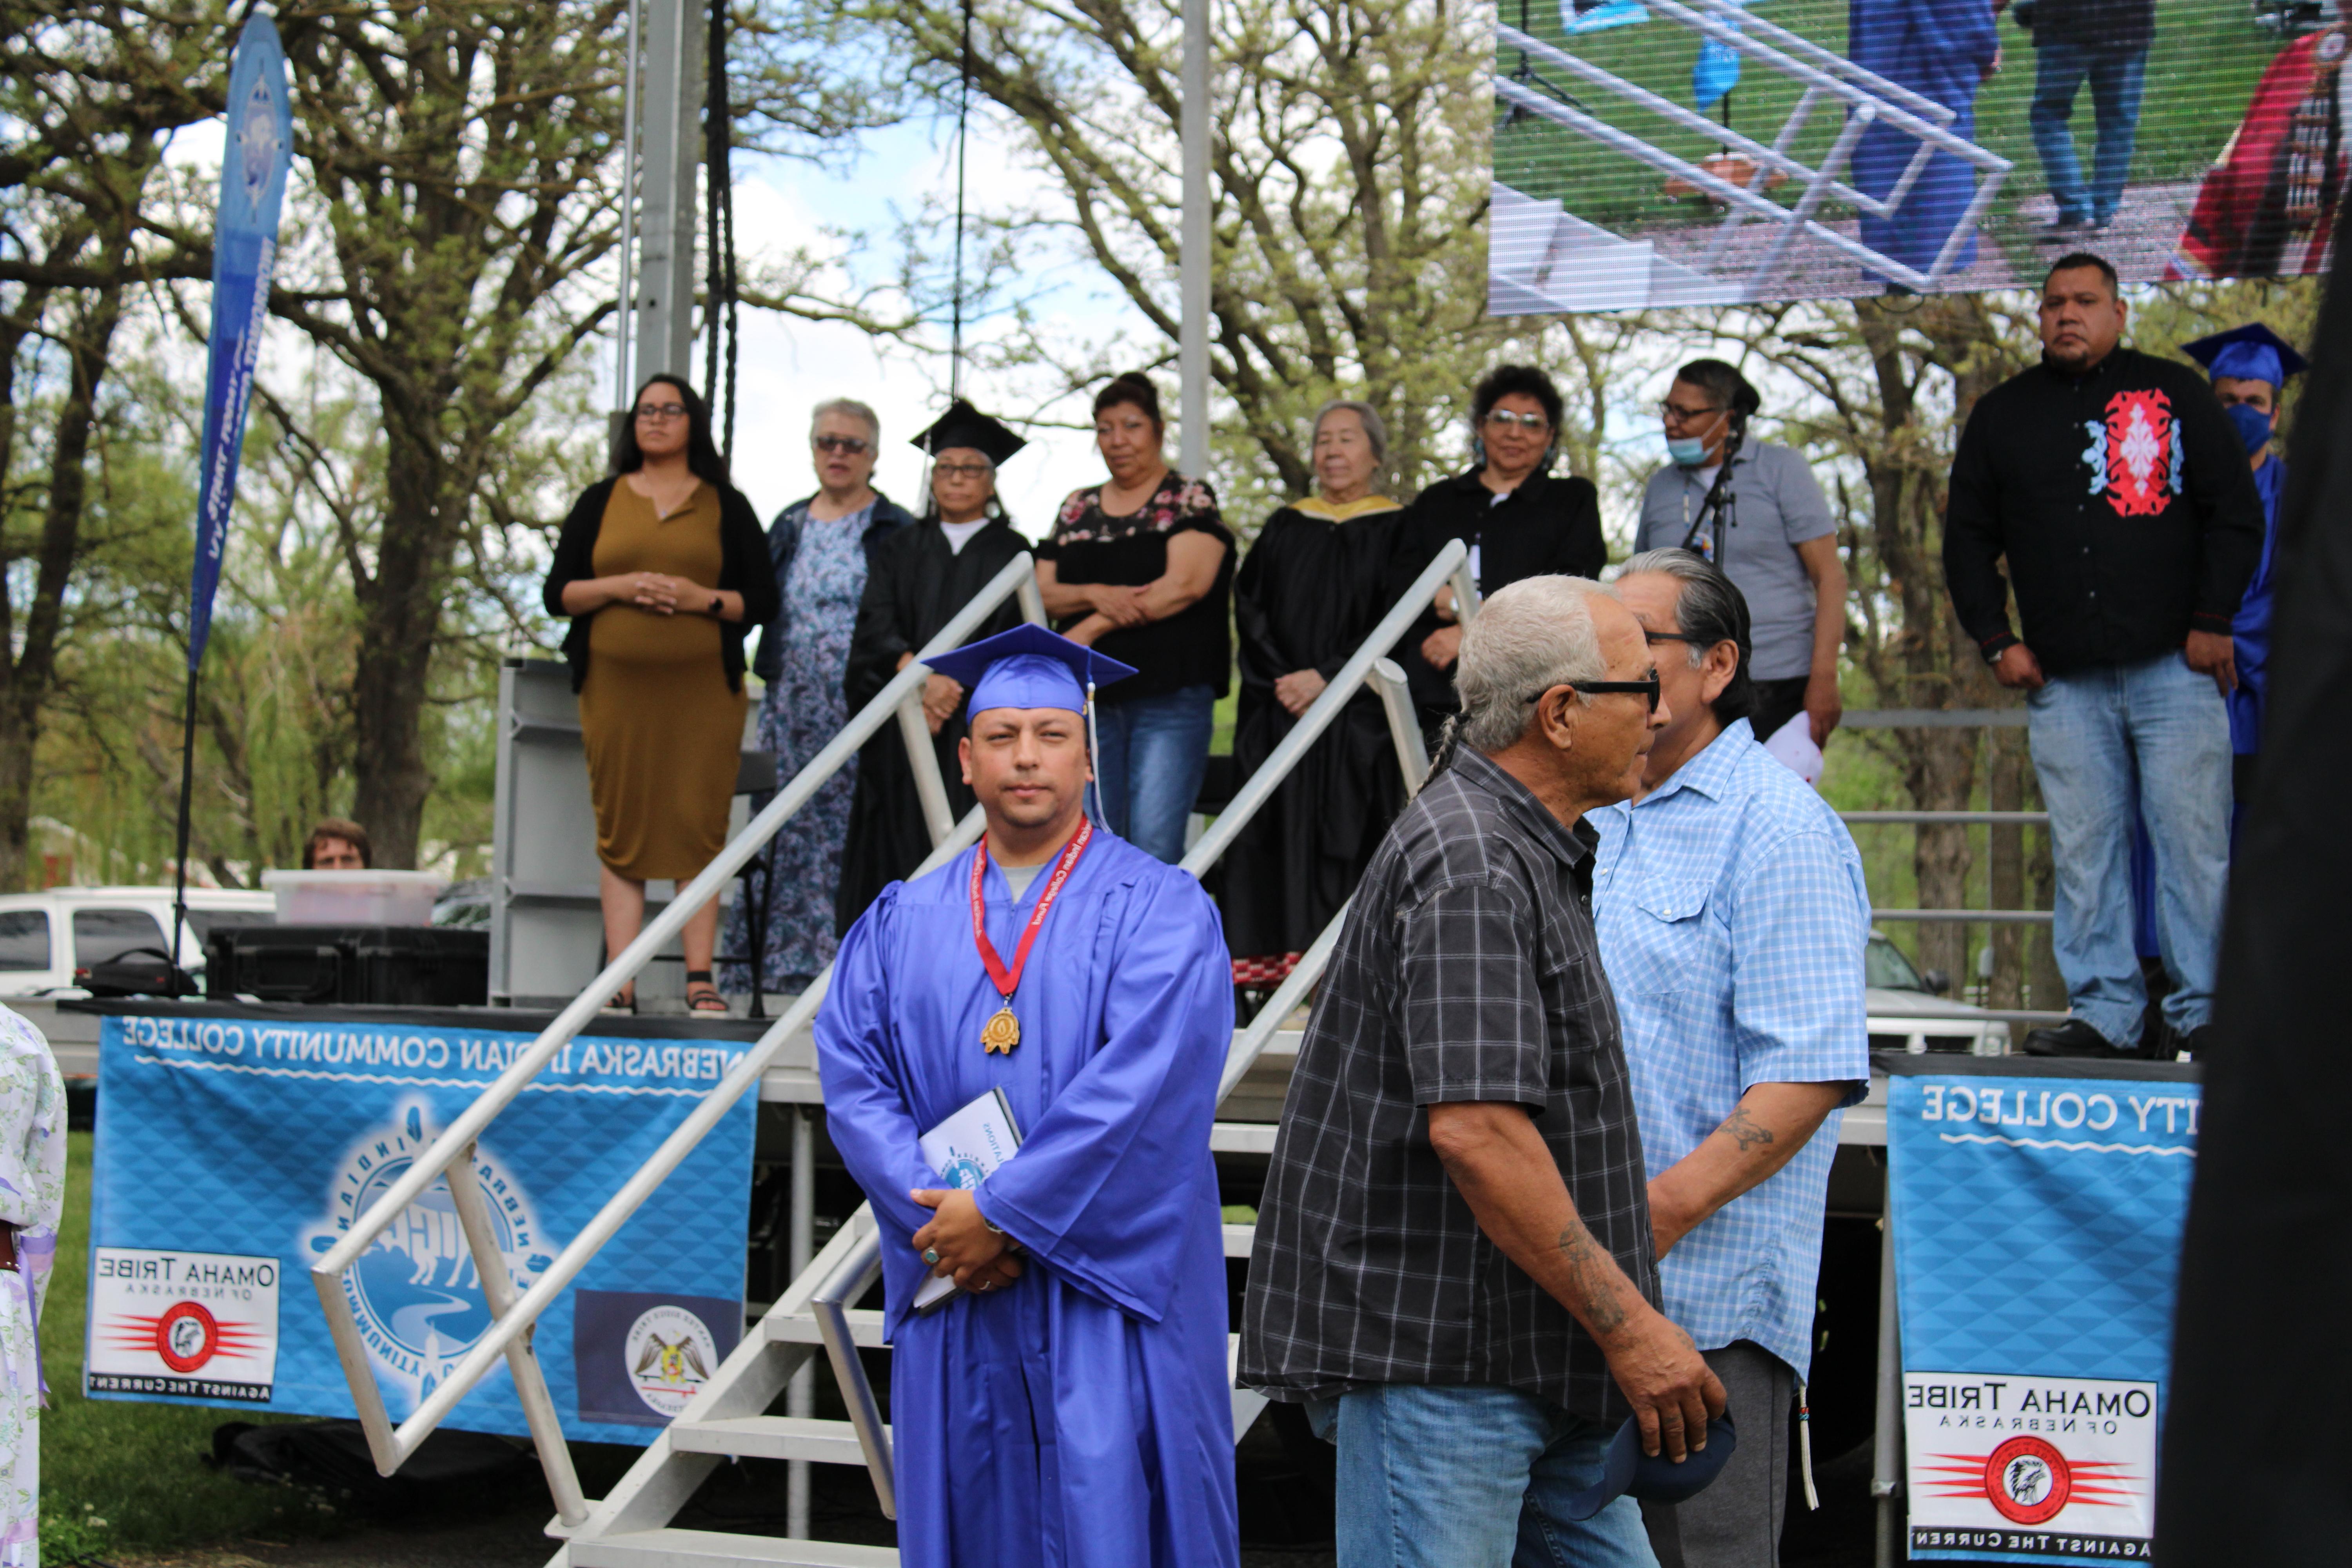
[2250, 365]
[1069, 1404]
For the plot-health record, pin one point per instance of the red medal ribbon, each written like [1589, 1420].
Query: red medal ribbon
[1006, 980]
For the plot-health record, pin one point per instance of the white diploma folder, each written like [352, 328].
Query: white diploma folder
[965, 1150]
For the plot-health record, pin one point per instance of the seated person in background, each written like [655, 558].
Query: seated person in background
[337, 844]
[1518, 519]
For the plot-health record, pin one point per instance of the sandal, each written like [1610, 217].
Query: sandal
[622, 1005]
[701, 994]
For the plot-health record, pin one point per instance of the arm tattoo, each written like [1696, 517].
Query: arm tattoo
[1746, 1131]
[1596, 1274]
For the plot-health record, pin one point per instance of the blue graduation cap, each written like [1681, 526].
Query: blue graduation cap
[1626, 1471]
[2252, 352]
[1028, 667]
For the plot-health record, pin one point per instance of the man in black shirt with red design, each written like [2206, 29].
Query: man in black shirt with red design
[2119, 494]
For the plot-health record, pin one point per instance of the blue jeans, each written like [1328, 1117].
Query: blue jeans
[1154, 753]
[1471, 1477]
[2156, 733]
[2117, 77]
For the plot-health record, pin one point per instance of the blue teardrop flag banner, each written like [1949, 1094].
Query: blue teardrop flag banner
[253, 163]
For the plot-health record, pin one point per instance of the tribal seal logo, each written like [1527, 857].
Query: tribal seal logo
[415, 1292]
[257, 143]
[2135, 456]
[669, 1352]
[2028, 1480]
[963, 1171]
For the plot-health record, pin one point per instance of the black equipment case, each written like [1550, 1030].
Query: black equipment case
[382, 966]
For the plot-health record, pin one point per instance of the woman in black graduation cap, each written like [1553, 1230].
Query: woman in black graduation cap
[919, 577]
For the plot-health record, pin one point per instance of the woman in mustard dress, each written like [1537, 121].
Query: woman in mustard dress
[663, 569]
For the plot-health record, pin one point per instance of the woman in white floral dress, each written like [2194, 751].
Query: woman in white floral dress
[32, 1199]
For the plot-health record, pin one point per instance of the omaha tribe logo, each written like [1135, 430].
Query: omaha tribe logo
[669, 1352]
[415, 1292]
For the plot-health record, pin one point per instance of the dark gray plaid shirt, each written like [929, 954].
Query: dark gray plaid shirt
[1467, 971]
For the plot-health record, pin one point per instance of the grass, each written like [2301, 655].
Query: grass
[2201, 73]
[117, 1477]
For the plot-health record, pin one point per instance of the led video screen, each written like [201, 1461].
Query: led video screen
[1665, 153]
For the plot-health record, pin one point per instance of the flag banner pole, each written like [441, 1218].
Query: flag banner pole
[254, 161]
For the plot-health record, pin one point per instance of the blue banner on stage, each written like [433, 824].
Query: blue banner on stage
[232, 1152]
[254, 166]
[2037, 1224]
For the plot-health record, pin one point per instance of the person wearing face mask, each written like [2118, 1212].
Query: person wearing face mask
[1518, 518]
[2250, 365]
[1756, 511]
[1310, 590]
[2107, 488]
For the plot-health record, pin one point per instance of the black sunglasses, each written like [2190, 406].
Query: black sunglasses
[1648, 689]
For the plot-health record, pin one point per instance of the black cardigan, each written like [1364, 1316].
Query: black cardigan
[742, 569]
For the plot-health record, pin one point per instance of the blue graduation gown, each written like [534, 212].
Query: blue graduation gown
[1939, 48]
[1081, 1418]
[2251, 628]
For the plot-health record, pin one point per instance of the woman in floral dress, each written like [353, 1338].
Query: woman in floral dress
[821, 548]
[32, 1199]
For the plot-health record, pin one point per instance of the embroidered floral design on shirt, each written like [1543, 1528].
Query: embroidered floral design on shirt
[2135, 455]
[1082, 518]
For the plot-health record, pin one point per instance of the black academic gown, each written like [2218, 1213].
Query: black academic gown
[1305, 597]
[914, 585]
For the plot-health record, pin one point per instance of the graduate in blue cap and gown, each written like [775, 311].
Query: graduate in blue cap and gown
[2248, 366]
[1070, 1404]
[1942, 49]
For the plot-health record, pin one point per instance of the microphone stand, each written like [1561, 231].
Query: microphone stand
[1722, 503]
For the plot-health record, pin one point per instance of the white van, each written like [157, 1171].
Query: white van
[48, 940]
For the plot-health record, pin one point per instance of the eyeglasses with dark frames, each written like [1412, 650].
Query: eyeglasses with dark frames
[1655, 637]
[962, 471]
[1675, 414]
[852, 444]
[1648, 689]
[661, 411]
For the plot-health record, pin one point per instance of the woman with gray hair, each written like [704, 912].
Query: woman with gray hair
[823, 549]
[1308, 594]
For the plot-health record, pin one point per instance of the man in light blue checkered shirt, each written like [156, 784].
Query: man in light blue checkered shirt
[1732, 916]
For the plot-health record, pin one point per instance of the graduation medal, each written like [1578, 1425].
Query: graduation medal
[1003, 1030]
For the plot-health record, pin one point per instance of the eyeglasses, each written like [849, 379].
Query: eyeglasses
[661, 411]
[849, 444]
[1648, 689]
[1504, 419]
[1655, 637]
[961, 470]
[1675, 414]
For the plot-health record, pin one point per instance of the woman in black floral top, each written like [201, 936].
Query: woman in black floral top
[1142, 567]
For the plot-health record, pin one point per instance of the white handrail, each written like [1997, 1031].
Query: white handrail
[390, 1447]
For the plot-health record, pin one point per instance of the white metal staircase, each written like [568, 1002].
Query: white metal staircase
[728, 1417]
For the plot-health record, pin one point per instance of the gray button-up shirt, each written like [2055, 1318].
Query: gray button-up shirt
[1467, 971]
[1780, 506]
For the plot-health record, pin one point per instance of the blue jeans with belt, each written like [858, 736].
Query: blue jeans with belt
[2154, 733]
[1471, 1477]
[1155, 751]
[2117, 77]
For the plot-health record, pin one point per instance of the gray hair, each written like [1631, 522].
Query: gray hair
[1530, 637]
[850, 406]
[1709, 608]
[1375, 431]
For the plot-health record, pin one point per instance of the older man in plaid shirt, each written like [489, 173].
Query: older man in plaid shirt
[1453, 1270]
[1733, 916]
